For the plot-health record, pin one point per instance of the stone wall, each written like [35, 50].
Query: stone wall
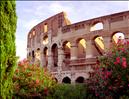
[69, 51]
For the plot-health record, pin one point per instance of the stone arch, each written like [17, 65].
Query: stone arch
[33, 55]
[67, 49]
[45, 40]
[37, 54]
[34, 32]
[33, 37]
[45, 27]
[99, 44]
[81, 48]
[38, 49]
[29, 54]
[80, 79]
[98, 25]
[66, 80]
[117, 35]
[45, 54]
[54, 50]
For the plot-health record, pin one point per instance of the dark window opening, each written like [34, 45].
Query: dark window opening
[66, 80]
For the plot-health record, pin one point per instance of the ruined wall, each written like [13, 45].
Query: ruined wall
[70, 50]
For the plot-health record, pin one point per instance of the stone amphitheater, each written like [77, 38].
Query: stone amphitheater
[69, 51]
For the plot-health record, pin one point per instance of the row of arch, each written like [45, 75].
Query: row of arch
[97, 26]
[67, 80]
[81, 48]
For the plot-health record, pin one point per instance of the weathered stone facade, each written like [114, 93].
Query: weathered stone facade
[68, 50]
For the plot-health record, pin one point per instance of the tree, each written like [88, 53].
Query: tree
[8, 20]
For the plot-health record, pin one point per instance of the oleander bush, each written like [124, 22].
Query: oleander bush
[111, 76]
[31, 80]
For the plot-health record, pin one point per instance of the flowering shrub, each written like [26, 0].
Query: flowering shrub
[31, 79]
[111, 76]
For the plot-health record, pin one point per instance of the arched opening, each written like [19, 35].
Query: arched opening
[29, 54]
[80, 80]
[97, 26]
[81, 43]
[66, 80]
[66, 49]
[33, 32]
[33, 37]
[55, 54]
[45, 27]
[37, 54]
[45, 40]
[117, 36]
[45, 52]
[99, 45]
[33, 56]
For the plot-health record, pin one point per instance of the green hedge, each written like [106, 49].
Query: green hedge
[8, 21]
[68, 91]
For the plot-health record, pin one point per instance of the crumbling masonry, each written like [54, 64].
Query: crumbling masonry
[68, 50]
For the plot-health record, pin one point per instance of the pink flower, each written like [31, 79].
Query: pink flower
[127, 42]
[122, 49]
[123, 59]
[124, 64]
[108, 73]
[97, 94]
[110, 87]
[102, 73]
[118, 59]
[115, 63]
[37, 81]
[97, 62]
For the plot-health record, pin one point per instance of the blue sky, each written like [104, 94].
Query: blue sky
[31, 13]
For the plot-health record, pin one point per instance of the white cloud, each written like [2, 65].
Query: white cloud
[30, 24]
[21, 48]
[128, 5]
[57, 7]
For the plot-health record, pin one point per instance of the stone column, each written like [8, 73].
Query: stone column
[43, 59]
[60, 58]
[50, 59]
[89, 49]
[107, 43]
[74, 51]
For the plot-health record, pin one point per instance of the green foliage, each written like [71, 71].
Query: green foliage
[31, 80]
[68, 91]
[111, 77]
[8, 20]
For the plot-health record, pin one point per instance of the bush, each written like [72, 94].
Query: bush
[68, 91]
[8, 20]
[31, 80]
[111, 76]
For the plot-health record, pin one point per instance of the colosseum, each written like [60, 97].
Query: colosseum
[69, 51]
